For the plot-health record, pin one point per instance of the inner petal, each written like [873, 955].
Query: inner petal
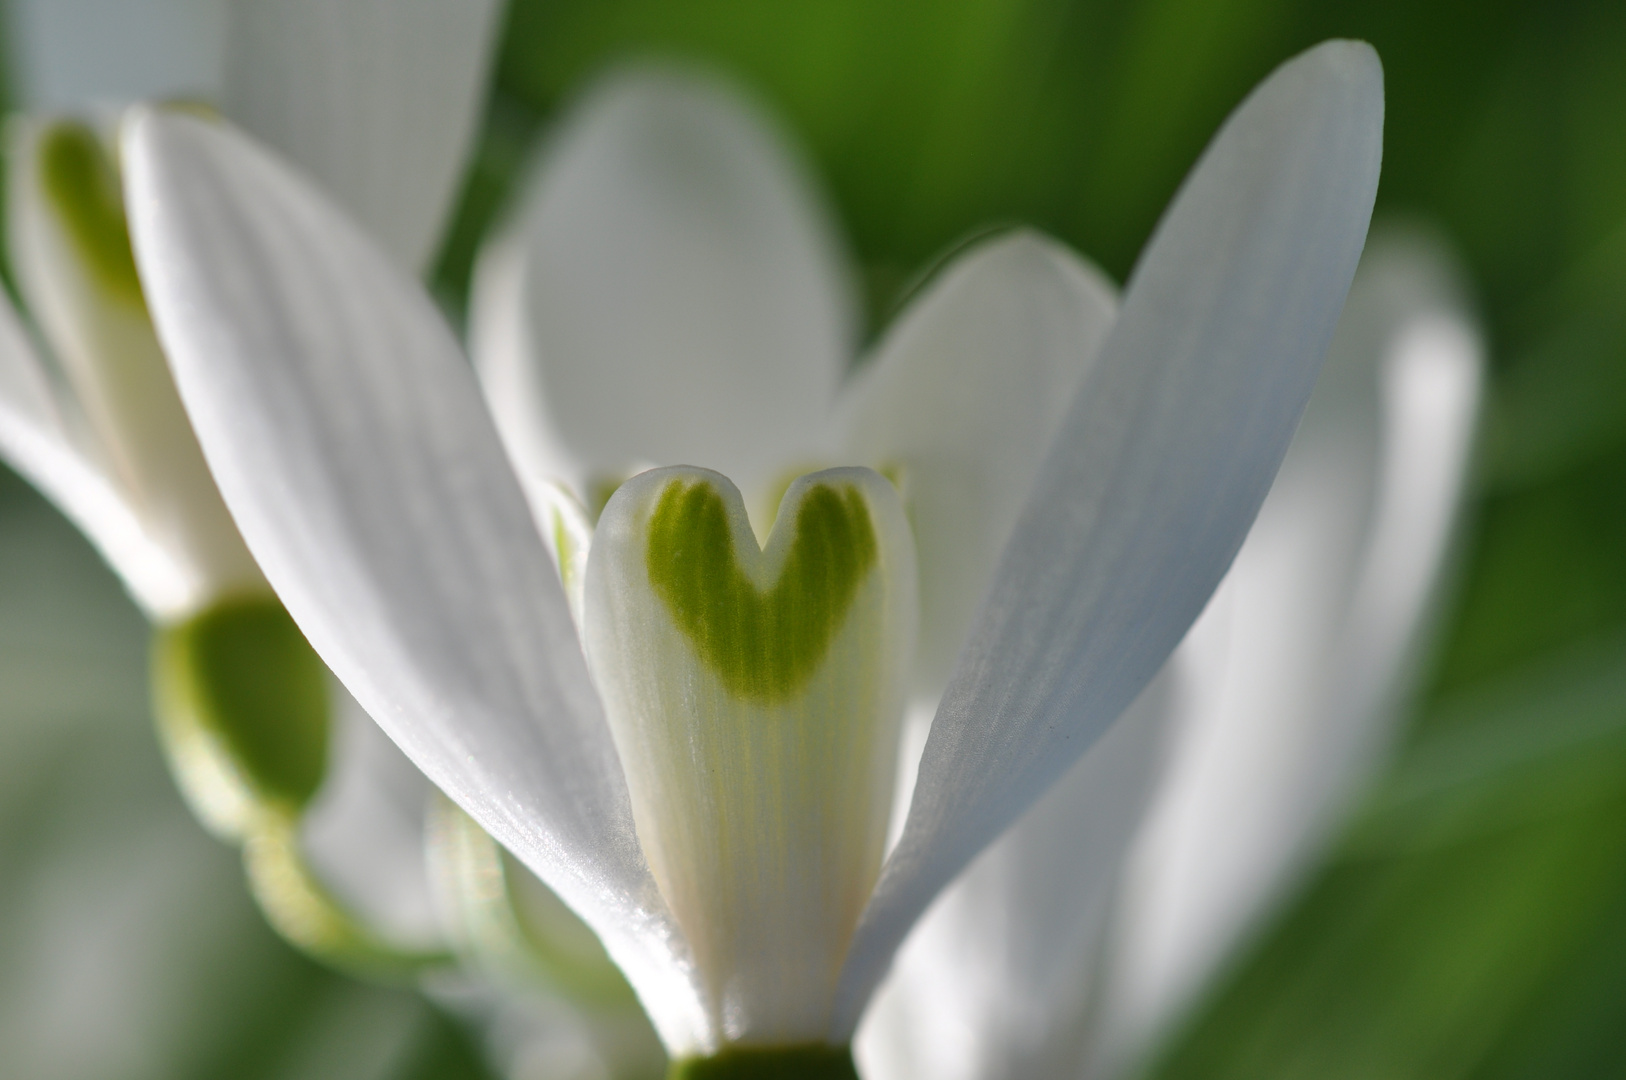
[755, 697]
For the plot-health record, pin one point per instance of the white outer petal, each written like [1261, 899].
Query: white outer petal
[349, 438]
[671, 292]
[377, 99]
[1301, 660]
[36, 441]
[1165, 456]
[963, 397]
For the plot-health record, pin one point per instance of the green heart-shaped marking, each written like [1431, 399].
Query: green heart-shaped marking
[764, 646]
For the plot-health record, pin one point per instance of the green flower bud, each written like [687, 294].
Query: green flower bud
[242, 707]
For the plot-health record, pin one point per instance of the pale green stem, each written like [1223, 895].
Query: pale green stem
[302, 910]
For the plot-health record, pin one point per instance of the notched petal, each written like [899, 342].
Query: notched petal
[755, 697]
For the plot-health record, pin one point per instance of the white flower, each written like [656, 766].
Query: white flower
[1045, 958]
[713, 801]
[379, 102]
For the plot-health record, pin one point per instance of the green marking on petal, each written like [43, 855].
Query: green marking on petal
[764, 646]
[241, 694]
[83, 189]
[813, 1061]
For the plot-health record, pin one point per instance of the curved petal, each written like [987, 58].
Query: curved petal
[1162, 462]
[74, 53]
[1298, 664]
[670, 294]
[755, 696]
[349, 438]
[377, 99]
[996, 978]
[36, 441]
[960, 403]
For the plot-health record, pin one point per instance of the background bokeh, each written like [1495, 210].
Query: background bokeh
[1472, 920]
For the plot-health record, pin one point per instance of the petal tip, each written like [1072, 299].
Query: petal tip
[1350, 61]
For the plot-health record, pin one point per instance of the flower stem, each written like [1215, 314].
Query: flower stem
[308, 917]
[810, 1061]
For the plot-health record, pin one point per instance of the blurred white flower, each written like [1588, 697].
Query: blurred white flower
[704, 773]
[379, 102]
[1035, 963]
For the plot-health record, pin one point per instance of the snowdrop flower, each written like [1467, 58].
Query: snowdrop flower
[704, 771]
[379, 102]
[1043, 959]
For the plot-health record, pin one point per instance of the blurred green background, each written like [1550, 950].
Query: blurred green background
[1472, 921]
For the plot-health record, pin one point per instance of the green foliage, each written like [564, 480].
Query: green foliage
[764, 645]
[1474, 922]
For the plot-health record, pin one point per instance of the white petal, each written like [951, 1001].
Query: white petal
[73, 267]
[73, 53]
[755, 696]
[670, 294]
[995, 980]
[351, 442]
[36, 441]
[1160, 466]
[377, 99]
[1300, 660]
[960, 404]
